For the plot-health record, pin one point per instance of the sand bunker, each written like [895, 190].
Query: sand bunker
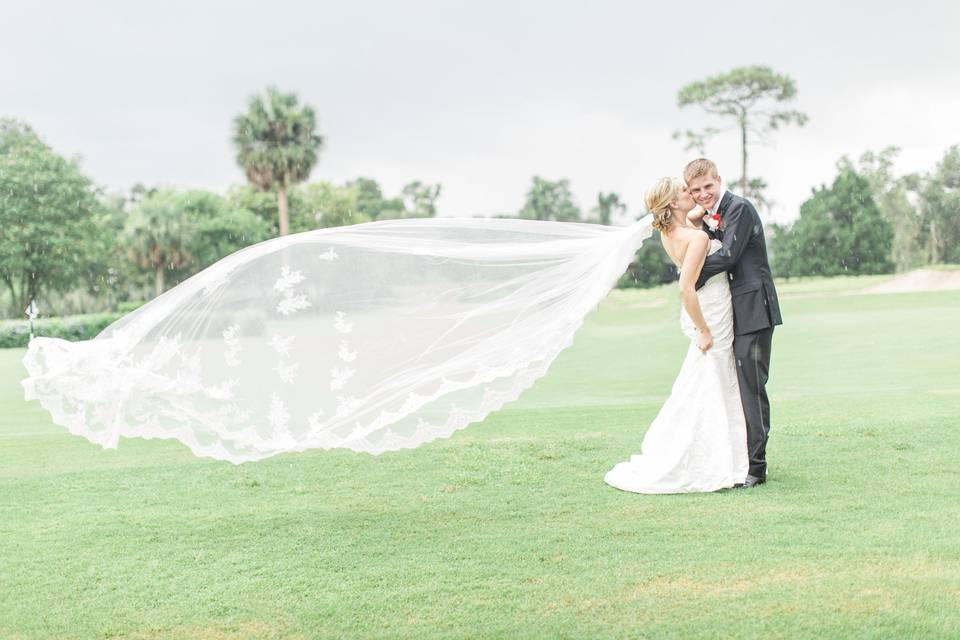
[919, 280]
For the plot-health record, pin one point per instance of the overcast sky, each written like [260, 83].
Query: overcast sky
[478, 96]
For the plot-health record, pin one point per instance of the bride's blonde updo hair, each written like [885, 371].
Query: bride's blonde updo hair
[658, 199]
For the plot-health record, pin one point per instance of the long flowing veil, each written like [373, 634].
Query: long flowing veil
[373, 337]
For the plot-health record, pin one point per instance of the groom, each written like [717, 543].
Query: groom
[734, 221]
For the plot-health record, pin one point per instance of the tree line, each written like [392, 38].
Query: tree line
[67, 243]
[869, 220]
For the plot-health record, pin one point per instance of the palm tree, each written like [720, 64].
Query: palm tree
[158, 234]
[277, 145]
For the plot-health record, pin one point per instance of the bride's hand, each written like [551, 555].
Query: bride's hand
[704, 340]
[695, 215]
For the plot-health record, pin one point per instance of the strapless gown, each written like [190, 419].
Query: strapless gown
[698, 440]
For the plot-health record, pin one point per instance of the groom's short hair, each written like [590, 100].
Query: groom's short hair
[699, 167]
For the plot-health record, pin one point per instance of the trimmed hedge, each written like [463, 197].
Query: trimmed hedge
[129, 305]
[16, 333]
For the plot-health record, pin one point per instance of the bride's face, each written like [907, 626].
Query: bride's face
[684, 200]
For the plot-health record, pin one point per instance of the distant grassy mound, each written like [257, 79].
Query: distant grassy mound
[942, 279]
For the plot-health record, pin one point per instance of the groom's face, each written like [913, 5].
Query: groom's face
[705, 190]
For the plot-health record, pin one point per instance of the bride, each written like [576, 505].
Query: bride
[698, 440]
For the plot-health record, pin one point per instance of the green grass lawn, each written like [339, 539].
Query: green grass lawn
[507, 529]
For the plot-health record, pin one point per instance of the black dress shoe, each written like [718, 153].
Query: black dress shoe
[752, 481]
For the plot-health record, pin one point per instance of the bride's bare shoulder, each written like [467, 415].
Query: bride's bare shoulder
[698, 238]
[680, 241]
[684, 238]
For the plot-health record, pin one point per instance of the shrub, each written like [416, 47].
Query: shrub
[129, 305]
[16, 333]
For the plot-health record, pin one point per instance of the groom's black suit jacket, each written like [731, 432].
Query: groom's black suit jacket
[744, 257]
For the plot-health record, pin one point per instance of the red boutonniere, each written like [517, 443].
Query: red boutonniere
[712, 220]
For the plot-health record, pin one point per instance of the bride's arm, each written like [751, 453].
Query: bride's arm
[689, 272]
[695, 216]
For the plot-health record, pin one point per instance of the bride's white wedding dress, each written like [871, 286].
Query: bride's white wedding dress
[698, 440]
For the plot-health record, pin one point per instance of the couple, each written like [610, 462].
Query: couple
[390, 334]
[711, 433]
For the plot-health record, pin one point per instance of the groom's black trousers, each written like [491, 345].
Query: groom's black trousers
[752, 351]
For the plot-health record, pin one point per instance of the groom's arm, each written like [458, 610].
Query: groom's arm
[737, 230]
